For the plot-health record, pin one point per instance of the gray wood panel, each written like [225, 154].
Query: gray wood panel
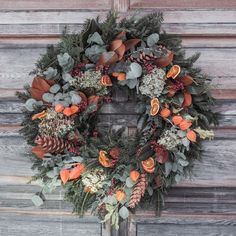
[193, 225]
[212, 61]
[204, 206]
[13, 224]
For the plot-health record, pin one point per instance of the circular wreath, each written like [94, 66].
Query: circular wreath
[101, 168]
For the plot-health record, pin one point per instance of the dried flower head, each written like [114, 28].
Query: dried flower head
[153, 84]
[94, 179]
[169, 139]
[89, 80]
[55, 124]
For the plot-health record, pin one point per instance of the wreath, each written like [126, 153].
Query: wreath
[101, 168]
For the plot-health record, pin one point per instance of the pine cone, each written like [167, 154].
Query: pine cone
[138, 191]
[143, 58]
[53, 144]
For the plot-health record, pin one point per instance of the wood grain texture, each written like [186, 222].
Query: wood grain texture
[13, 224]
[184, 225]
[54, 4]
[16, 66]
[205, 205]
[183, 4]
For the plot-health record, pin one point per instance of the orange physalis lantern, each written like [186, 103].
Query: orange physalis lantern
[134, 175]
[120, 195]
[191, 135]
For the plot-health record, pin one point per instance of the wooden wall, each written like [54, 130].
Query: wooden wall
[204, 206]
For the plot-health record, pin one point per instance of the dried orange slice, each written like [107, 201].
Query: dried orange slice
[154, 101]
[173, 72]
[149, 165]
[106, 80]
[103, 159]
[155, 106]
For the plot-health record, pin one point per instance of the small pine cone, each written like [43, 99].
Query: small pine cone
[138, 191]
[143, 58]
[53, 144]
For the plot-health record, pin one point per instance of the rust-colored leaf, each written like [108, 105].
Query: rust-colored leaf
[38, 151]
[131, 43]
[121, 34]
[64, 174]
[120, 51]
[187, 99]
[83, 96]
[36, 93]
[41, 84]
[187, 80]
[115, 44]
[94, 99]
[165, 61]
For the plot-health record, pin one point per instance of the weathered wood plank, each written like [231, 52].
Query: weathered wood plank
[54, 4]
[44, 29]
[183, 225]
[122, 113]
[182, 4]
[212, 61]
[216, 169]
[12, 105]
[78, 17]
[13, 224]
[223, 94]
[188, 41]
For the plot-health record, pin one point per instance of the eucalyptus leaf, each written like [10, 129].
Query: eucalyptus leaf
[66, 62]
[75, 99]
[174, 167]
[111, 200]
[183, 162]
[124, 212]
[131, 83]
[195, 89]
[178, 99]
[78, 159]
[168, 168]
[95, 38]
[48, 97]
[152, 39]
[66, 77]
[58, 96]
[50, 73]
[55, 88]
[135, 71]
[178, 178]
[37, 200]
[30, 103]
[185, 142]
[150, 190]
[129, 182]
[94, 52]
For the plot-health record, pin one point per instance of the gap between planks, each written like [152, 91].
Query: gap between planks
[221, 94]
